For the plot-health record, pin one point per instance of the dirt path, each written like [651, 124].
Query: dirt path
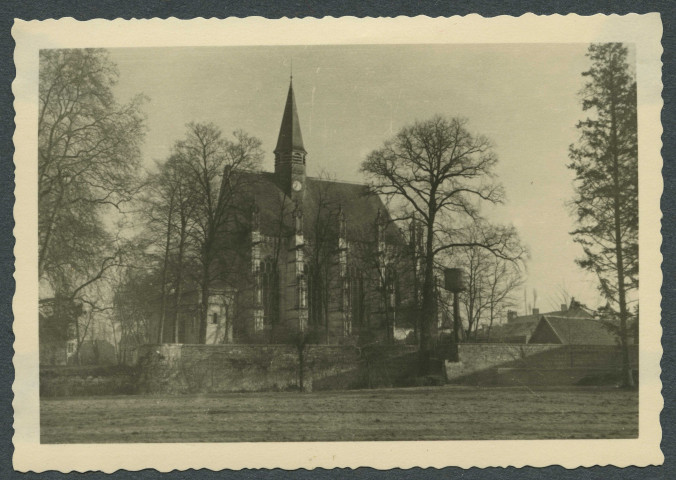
[442, 413]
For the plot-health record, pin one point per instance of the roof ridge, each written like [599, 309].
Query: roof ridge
[347, 182]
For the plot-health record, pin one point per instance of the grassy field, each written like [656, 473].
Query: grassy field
[435, 413]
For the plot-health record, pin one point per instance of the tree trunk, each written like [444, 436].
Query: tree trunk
[44, 248]
[428, 300]
[326, 311]
[627, 377]
[77, 341]
[301, 366]
[179, 286]
[116, 343]
[204, 308]
[204, 312]
[490, 324]
[416, 302]
[163, 309]
[177, 316]
[177, 306]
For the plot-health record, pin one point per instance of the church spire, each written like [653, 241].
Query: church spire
[290, 139]
[290, 152]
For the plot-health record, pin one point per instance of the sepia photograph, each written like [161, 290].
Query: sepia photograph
[353, 242]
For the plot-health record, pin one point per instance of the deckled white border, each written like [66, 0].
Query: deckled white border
[643, 30]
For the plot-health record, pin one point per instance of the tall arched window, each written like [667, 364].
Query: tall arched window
[314, 293]
[357, 295]
[302, 291]
[270, 291]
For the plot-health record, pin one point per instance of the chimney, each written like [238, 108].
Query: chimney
[536, 311]
[511, 315]
[564, 307]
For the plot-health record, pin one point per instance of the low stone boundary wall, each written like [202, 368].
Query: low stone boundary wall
[550, 364]
[74, 381]
[176, 368]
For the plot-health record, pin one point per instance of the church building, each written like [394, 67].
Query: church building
[322, 252]
[308, 255]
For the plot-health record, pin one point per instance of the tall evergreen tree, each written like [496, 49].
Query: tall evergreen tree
[605, 162]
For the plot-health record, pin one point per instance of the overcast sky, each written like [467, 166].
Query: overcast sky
[352, 98]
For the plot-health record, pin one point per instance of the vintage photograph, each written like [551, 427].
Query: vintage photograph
[352, 242]
[388, 241]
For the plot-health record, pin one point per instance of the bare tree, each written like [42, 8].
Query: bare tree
[93, 312]
[320, 232]
[57, 317]
[382, 266]
[491, 280]
[132, 309]
[321, 252]
[504, 280]
[282, 209]
[441, 172]
[88, 159]
[491, 284]
[213, 166]
[475, 298]
[88, 156]
[167, 210]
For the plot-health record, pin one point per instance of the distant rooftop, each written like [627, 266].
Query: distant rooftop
[574, 310]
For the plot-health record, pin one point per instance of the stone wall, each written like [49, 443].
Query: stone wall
[232, 368]
[75, 381]
[512, 364]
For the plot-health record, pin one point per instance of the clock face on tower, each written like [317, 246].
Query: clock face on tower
[297, 186]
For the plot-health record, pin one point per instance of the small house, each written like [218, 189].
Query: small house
[520, 328]
[572, 331]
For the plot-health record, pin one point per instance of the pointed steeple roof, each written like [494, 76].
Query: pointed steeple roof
[290, 137]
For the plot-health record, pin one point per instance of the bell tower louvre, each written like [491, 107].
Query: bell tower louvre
[290, 153]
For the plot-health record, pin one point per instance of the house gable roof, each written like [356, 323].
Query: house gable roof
[574, 331]
[517, 332]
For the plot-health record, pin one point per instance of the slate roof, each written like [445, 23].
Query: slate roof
[325, 196]
[575, 331]
[514, 333]
[520, 329]
[321, 197]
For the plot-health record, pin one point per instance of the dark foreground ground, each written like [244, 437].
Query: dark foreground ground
[437, 413]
